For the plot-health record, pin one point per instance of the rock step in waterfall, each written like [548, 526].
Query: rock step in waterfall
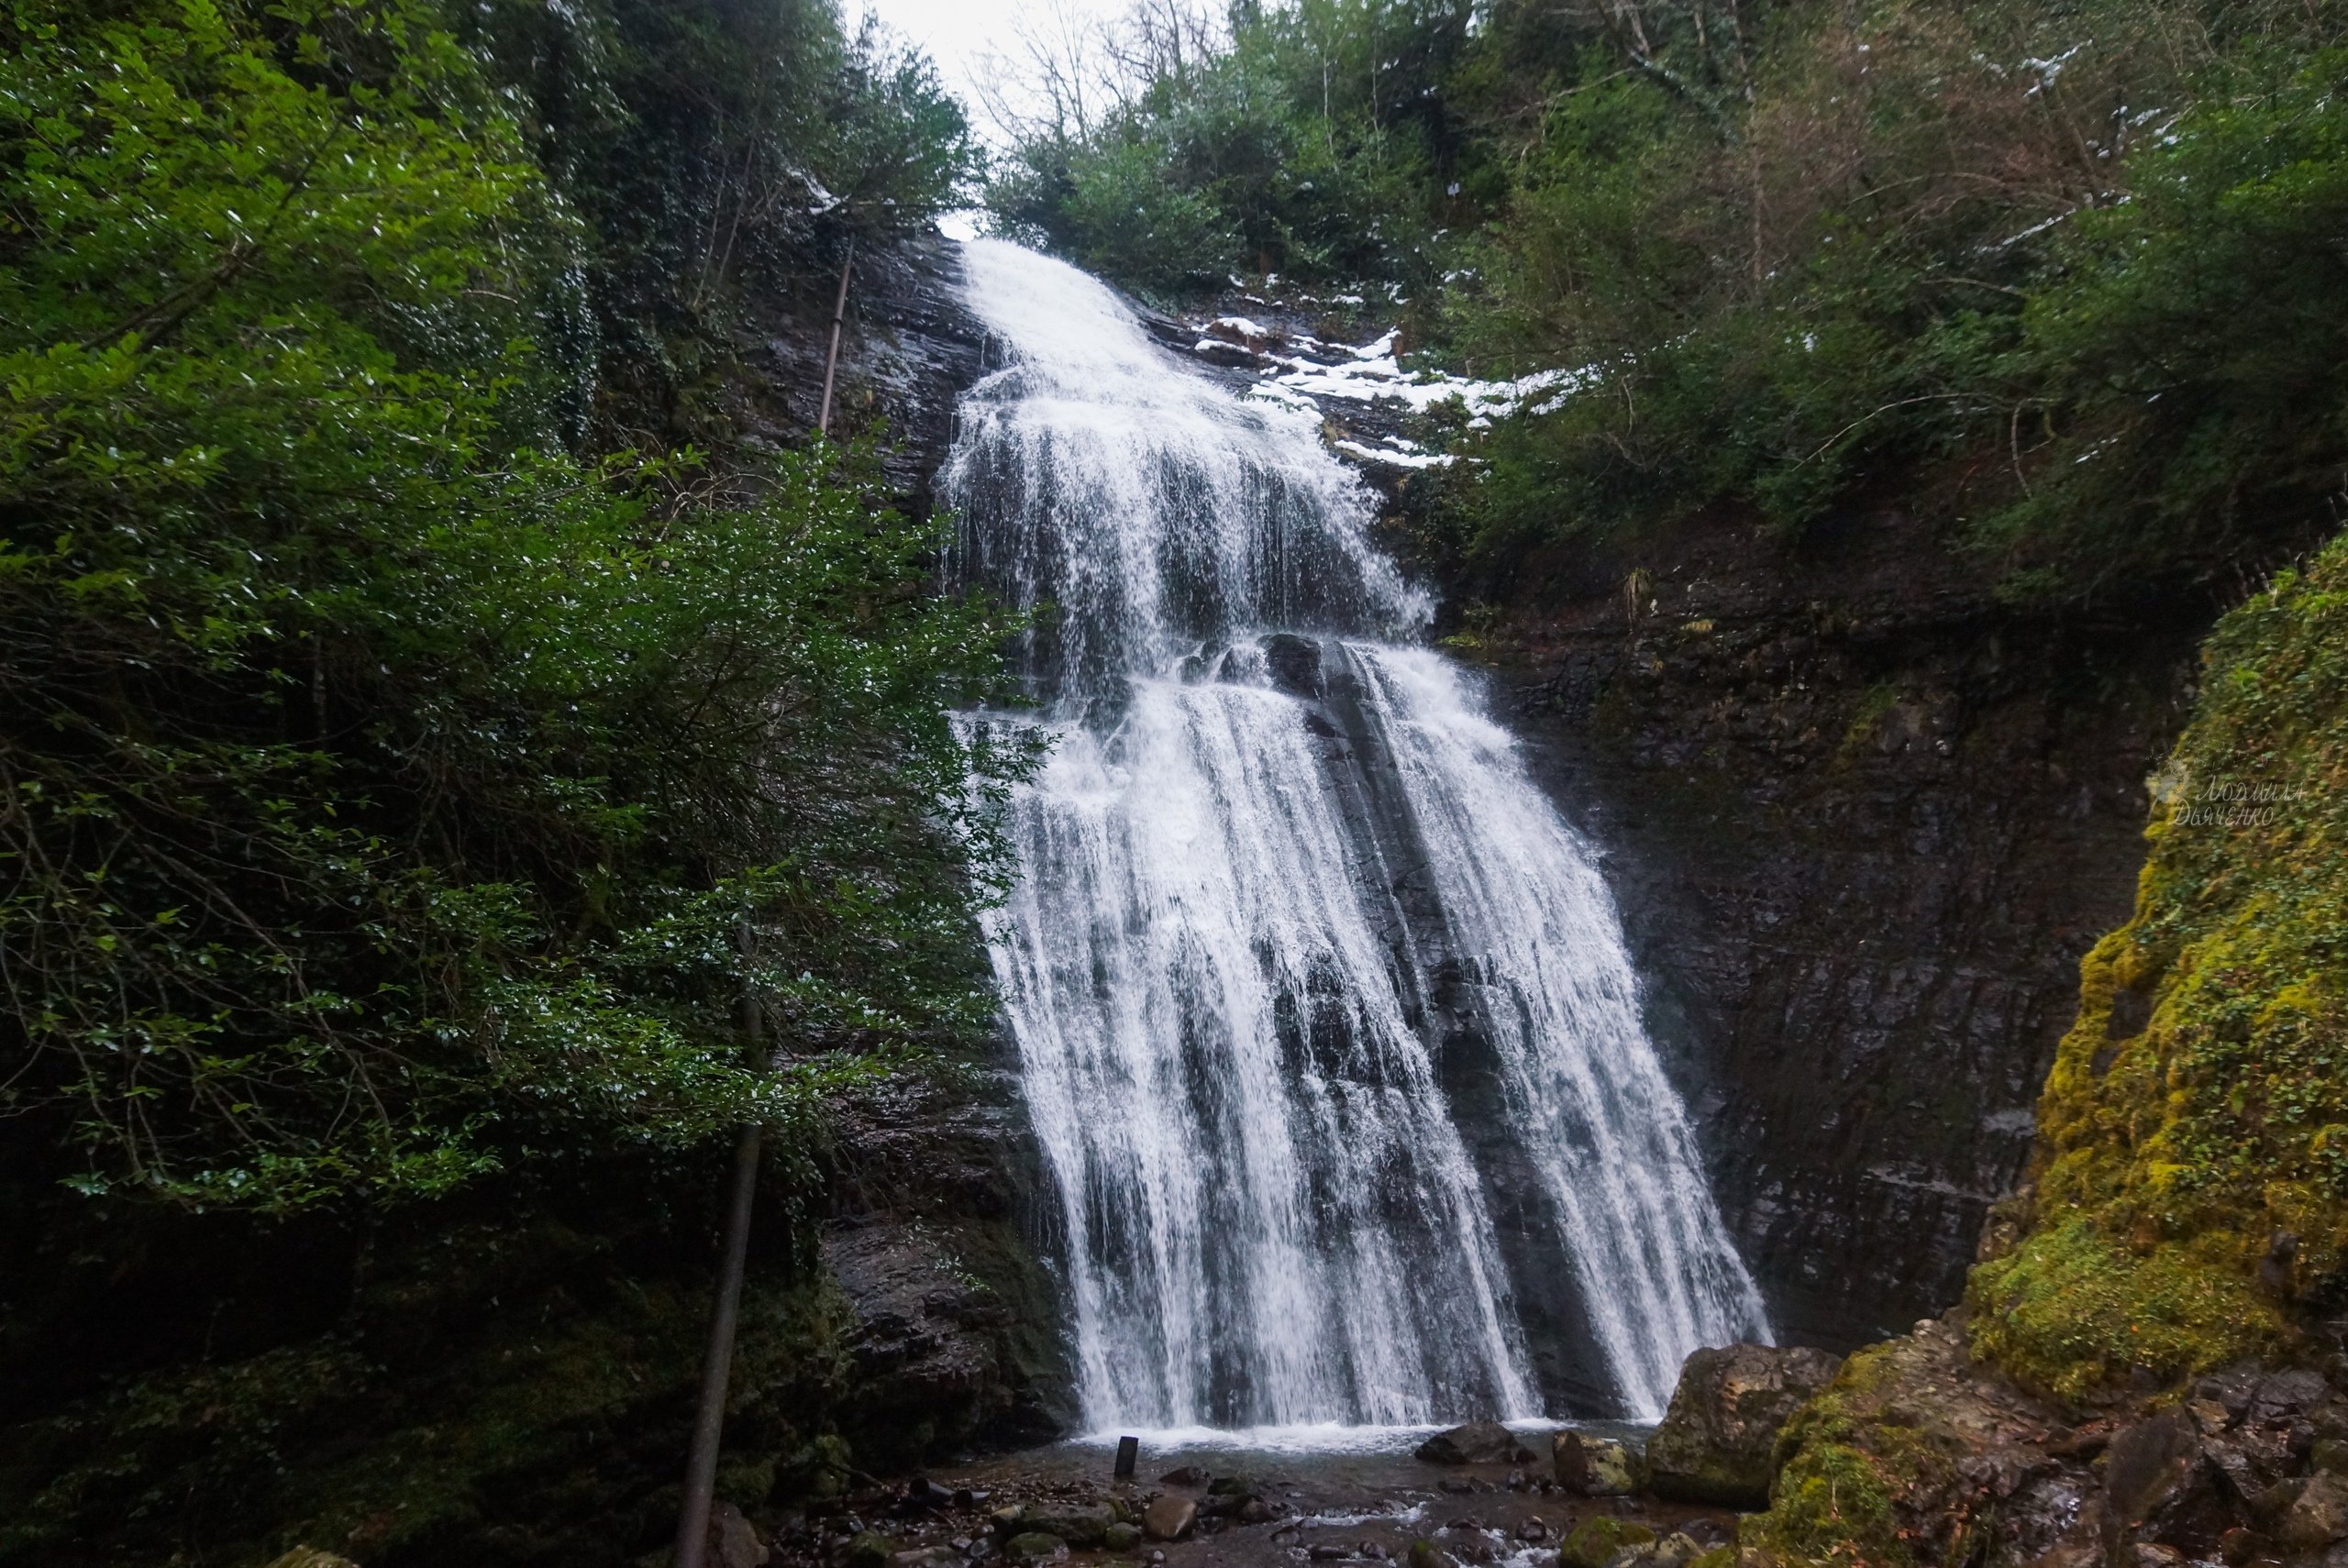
[1324, 1013]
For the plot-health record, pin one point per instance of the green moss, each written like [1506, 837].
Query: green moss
[2198, 1111]
[2075, 1311]
[1595, 1539]
[1833, 1504]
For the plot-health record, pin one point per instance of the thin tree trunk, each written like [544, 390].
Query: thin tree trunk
[717, 1361]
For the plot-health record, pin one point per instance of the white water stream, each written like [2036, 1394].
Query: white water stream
[1287, 894]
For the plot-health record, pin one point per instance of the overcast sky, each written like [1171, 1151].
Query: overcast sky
[959, 34]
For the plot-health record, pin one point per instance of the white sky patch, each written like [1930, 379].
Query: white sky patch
[970, 39]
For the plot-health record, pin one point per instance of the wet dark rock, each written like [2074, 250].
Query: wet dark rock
[1035, 1546]
[871, 1549]
[2317, 1517]
[1294, 663]
[2161, 1484]
[1427, 1555]
[311, 1557]
[1717, 1444]
[1477, 1442]
[2295, 1391]
[1188, 1475]
[1120, 1536]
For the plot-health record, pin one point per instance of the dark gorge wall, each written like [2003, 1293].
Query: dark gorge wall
[1863, 819]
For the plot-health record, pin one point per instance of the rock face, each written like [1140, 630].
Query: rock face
[1863, 819]
[954, 1327]
[1477, 1442]
[1717, 1444]
[908, 352]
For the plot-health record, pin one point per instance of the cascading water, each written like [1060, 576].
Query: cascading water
[1285, 890]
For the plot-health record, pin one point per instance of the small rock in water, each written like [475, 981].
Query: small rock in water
[1532, 1530]
[1427, 1555]
[1455, 1484]
[1594, 1466]
[1327, 1552]
[1255, 1510]
[1477, 1442]
[1035, 1546]
[1188, 1475]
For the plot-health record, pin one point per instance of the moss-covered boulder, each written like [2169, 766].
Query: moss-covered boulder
[2191, 1187]
[1903, 1454]
[1594, 1541]
[1718, 1442]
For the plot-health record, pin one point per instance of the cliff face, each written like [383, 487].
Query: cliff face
[1863, 819]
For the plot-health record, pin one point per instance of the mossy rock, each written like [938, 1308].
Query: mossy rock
[1594, 1541]
[2191, 1192]
[1035, 1546]
[871, 1550]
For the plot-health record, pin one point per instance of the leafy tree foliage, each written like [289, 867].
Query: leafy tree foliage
[392, 786]
[2071, 269]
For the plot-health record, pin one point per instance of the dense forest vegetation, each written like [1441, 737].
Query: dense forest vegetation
[406, 753]
[423, 721]
[2069, 271]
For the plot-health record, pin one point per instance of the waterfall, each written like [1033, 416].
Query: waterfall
[1324, 1013]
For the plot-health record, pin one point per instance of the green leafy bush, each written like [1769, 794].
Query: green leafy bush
[387, 792]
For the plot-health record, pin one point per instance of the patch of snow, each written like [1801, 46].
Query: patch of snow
[1395, 457]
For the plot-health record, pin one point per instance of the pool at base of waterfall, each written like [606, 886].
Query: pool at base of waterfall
[1262, 1496]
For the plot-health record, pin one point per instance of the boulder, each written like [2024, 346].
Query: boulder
[732, 1543]
[1079, 1524]
[1170, 1518]
[2318, 1517]
[1120, 1536]
[1718, 1442]
[1595, 1541]
[1035, 1546]
[1594, 1466]
[2164, 1486]
[1477, 1442]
